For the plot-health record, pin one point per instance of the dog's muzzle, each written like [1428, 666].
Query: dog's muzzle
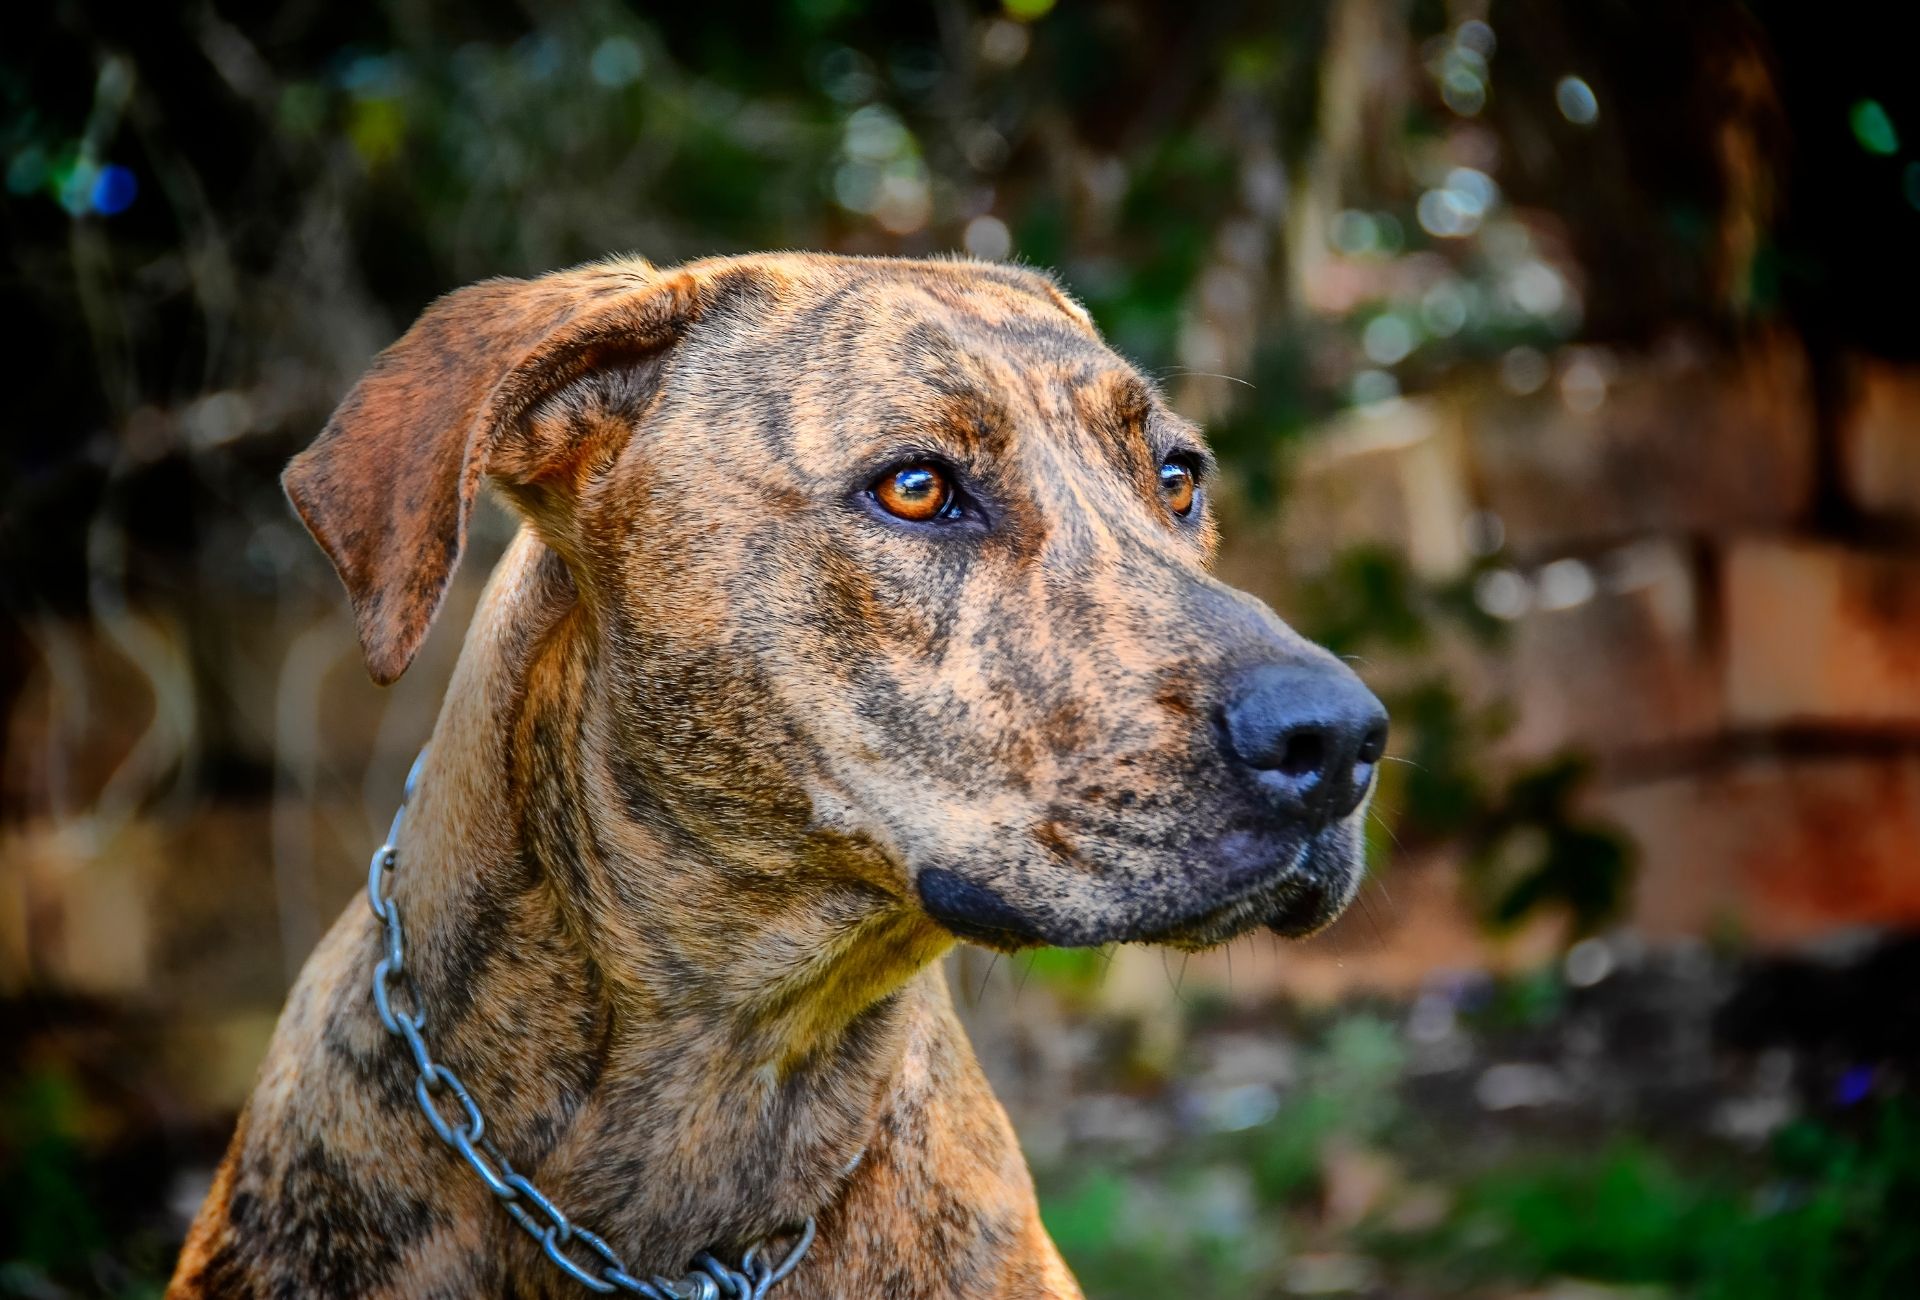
[1302, 742]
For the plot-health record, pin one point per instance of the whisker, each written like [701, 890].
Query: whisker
[1386, 894]
[984, 978]
[1173, 982]
[1203, 374]
[1386, 826]
[1373, 923]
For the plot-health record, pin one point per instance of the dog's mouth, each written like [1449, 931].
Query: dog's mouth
[1294, 902]
[1294, 887]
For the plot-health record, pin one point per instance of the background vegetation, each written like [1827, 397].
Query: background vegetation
[1296, 216]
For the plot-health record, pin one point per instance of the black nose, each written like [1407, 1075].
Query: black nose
[1311, 733]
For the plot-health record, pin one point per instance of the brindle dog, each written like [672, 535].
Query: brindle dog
[860, 605]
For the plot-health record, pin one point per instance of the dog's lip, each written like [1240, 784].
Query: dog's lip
[1299, 894]
[976, 912]
[1215, 920]
[1329, 886]
[1305, 914]
[1257, 878]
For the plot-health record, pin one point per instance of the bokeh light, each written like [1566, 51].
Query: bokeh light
[1874, 129]
[617, 61]
[988, 238]
[114, 189]
[1576, 101]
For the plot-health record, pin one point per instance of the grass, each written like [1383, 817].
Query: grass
[1831, 1214]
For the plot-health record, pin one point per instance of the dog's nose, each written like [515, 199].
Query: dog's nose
[1312, 734]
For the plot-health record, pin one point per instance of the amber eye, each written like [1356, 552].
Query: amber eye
[918, 493]
[1177, 485]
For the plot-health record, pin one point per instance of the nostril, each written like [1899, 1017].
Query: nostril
[1303, 753]
[1374, 744]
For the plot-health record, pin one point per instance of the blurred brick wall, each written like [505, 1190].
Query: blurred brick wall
[1740, 655]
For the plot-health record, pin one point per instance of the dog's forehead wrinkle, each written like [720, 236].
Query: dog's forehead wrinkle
[951, 373]
[1093, 512]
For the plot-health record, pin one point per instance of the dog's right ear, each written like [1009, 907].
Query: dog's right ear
[388, 486]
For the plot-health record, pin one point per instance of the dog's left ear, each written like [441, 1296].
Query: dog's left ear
[388, 486]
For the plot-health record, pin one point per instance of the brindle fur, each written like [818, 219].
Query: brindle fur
[718, 729]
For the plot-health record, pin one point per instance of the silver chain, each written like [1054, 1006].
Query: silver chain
[602, 1270]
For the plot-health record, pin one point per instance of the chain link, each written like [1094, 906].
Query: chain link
[592, 1262]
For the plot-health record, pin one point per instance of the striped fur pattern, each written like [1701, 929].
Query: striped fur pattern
[730, 758]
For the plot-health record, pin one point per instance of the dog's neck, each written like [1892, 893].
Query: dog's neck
[681, 1047]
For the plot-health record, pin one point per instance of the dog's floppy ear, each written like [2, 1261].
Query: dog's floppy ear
[387, 487]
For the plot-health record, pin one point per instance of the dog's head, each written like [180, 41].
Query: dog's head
[891, 568]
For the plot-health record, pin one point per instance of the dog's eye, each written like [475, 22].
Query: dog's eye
[918, 493]
[1178, 484]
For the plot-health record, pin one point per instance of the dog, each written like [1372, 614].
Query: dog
[859, 606]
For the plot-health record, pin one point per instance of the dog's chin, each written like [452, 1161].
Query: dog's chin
[1291, 886]
[1319, 880]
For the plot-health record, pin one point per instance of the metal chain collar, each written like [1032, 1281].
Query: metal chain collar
[602, 1270]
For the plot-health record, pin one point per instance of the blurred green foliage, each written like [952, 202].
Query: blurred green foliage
[1211, 1221]
[1534, 851]
[1828, 1210]
[56, 1236]
[1349, 1092]
[1832, 1215]
[46, 1217]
